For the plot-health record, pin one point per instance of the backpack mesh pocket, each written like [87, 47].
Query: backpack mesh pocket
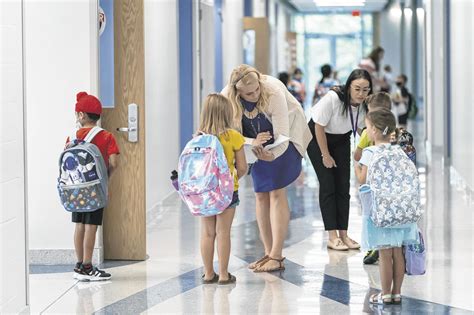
[83, 197]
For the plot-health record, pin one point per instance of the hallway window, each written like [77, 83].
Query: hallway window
[340, 40]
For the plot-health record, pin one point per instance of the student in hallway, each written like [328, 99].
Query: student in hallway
[216, 119]
[388, 240]
[88, 111]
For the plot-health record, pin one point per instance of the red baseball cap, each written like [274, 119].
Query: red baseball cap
[88, 104]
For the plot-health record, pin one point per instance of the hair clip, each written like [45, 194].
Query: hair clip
[385, 131]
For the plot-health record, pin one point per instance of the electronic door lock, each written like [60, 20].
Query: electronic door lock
[132, 128]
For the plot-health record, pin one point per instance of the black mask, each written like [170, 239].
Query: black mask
[399, 84]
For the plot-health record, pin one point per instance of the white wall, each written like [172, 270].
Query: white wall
[61, 60]
[207, 51]
[161, 98]
[462, 99]
[258, 8]
[435, 104]
[13, 245]
[282, 45]
[390, 39]
[232, 50]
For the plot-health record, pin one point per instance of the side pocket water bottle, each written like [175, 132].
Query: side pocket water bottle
[174, 179]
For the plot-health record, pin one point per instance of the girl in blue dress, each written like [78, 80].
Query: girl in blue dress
[389, 241]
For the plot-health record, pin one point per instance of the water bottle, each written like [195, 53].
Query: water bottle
[174, 179]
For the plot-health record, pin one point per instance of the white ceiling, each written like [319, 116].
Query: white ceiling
[308, 6]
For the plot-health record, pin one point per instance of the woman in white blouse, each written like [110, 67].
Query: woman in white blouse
[333, 119]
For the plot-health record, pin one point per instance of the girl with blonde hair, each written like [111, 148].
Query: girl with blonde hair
[263, 110]
[216, 119]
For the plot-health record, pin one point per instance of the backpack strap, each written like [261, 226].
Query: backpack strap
[92, 133]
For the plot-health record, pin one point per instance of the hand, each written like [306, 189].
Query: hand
[263, 154]
[329, 162]
[261, 138]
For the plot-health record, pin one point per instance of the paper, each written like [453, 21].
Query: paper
[250, 156]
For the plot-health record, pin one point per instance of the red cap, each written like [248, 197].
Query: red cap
[88, 104]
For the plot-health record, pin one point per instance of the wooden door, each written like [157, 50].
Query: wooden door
[124, 227]
[262, 41]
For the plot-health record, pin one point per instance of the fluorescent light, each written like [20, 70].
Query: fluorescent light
[395, 13]
[420, 13]
[339, 3]
[408, 13]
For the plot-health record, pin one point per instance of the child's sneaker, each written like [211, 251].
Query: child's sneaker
[371, 257]
[77, 269]
[92, 274]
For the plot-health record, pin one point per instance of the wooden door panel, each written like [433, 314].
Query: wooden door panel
[124, 227]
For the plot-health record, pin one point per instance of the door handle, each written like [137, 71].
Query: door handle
[132, 128]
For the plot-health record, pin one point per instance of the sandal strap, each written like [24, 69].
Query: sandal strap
[386, 296]
[379, 298]
[279, 260]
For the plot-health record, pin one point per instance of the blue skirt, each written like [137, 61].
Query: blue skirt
[374, 237]
[281, 172]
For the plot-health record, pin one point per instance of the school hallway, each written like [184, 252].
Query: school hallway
[316, 280]
[152, 64]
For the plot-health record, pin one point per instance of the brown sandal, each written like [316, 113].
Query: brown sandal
[258, 262]
[210, 281]
[279, 268]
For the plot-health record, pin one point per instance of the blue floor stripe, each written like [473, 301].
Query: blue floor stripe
[336, 289]
[148, 298]
[248, 249]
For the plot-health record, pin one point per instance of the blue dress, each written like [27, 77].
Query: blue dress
[374, 237]
[279, 173]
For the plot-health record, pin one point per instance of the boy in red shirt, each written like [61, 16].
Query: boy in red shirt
[88, 111]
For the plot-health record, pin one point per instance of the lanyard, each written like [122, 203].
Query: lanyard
[354, 125]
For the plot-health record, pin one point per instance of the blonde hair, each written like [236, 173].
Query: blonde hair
[216, 115]
[379, 100]
[383, 120]
[241, 76]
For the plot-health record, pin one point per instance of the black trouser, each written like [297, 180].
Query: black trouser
[334, 183]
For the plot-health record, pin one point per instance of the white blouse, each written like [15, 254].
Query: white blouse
[328, 113]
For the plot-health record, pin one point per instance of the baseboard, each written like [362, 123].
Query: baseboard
[61, 256]
[155, 212]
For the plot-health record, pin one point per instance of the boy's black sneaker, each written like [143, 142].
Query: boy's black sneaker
[77, 269]
[92, 274]
[371, 257]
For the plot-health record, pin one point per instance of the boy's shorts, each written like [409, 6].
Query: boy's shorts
[235, 200]
[93, 218]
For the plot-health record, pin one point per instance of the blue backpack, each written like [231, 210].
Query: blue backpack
[205, 182]
[82, 181]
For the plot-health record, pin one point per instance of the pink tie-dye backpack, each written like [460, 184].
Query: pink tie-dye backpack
[205, 182]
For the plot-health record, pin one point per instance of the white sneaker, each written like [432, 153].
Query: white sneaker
[94, 274]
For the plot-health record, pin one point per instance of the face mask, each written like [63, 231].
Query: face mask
[399, 84]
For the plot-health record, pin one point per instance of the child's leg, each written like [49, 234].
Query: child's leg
[89, 242]
[208, 237]
[79, 241]
[224, 223]
[386, 270]
[398, 270]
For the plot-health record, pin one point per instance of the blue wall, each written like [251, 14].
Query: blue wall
[218, 76]
[185, 17]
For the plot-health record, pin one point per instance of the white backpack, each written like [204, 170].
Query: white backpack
[395, 187]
